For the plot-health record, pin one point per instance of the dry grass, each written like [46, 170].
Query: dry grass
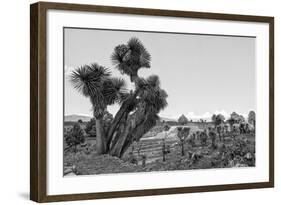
[233, 154]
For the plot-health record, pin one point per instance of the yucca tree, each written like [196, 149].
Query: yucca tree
[151, 100]
[145, 101]
[129, 58]
[139, 107]
[95, 82]
[252, 118]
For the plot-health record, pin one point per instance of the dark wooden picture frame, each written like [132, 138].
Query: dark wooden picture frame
[38, 102]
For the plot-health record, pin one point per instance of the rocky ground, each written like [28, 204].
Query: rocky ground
[238, 152]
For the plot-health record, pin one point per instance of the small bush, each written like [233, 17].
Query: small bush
[75, 137]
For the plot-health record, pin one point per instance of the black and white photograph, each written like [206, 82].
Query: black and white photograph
[147, 101]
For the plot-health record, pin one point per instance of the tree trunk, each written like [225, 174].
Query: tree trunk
[182, 149]
[129, 135]
[134, 78]
[164, 157]
[122, 112]
[100, 139]
[117, 148]
[118, 131]
[120, 136]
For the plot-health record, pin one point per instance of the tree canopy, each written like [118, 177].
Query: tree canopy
[218, 119]
[130, 57]
[252, 117]
[182, 120]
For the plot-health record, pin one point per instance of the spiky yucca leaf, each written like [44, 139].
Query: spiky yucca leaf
[152, 94]
[87, 79]
[119, 84]
[94, 81]
[119, 53]
[153, 81]
[129, 58]
[113, 90]
[139, 52]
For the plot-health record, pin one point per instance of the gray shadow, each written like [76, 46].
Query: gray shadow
[24, 195]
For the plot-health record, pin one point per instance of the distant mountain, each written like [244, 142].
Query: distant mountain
[167, 119]
[85, 118]
[75, 118]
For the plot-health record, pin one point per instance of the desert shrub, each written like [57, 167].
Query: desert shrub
[75, 137]
[90, 128]
[166, 127]
[239, 154]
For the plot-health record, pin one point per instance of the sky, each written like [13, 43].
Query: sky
[202, 74]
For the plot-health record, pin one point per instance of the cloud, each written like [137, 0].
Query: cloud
[208, 116]
[191, 115]
[205, 116]
[222, 112]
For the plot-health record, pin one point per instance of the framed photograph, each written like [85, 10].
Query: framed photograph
[135, 102]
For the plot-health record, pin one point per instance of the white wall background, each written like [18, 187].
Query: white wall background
[14, 109]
